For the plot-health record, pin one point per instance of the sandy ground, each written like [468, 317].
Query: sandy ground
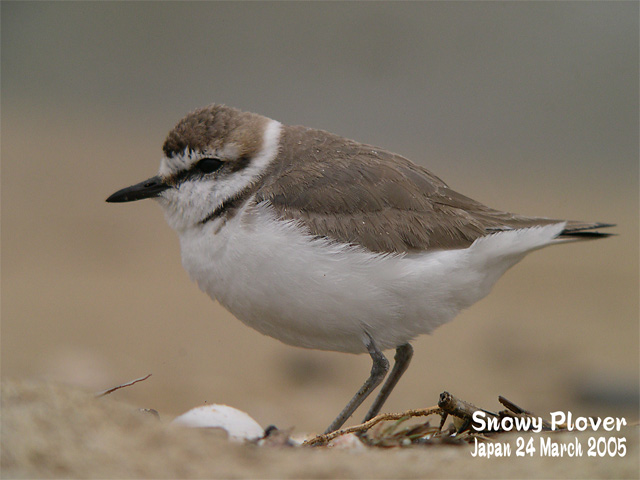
[50, 431]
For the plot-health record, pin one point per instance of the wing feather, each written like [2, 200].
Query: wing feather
[362, 195]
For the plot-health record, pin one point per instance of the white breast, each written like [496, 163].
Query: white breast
[313, 293]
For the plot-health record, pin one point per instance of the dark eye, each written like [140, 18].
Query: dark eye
[208, 165]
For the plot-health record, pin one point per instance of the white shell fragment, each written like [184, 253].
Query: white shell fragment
[239, 425]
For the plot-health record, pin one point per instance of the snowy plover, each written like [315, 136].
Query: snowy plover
[323, 242]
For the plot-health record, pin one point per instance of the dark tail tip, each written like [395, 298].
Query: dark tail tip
[586, 231]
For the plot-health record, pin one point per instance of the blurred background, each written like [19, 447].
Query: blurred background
[526, 106]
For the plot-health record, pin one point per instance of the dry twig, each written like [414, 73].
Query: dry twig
[128, 384]
[363, 427]
[448, 404]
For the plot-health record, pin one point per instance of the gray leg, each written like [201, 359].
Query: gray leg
[402, 359]
[379, 369]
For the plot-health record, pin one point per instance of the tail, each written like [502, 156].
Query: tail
[584, 231]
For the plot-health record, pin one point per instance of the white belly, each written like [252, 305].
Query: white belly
[312, 293]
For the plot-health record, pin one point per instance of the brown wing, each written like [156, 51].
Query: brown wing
[362, 195]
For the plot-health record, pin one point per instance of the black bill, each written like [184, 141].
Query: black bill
[148, 189]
